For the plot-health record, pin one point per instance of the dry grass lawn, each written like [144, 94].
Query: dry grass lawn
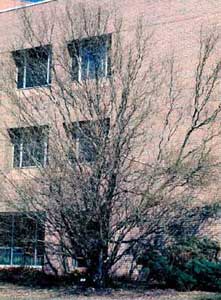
[12, 292]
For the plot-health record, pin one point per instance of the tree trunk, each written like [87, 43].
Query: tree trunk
[101, 276]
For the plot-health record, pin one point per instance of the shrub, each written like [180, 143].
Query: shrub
[186, 265]
[32, 277]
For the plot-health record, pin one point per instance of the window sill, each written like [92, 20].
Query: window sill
[21, 266]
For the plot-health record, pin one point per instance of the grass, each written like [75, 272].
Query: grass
[209, 297]
[13, 292]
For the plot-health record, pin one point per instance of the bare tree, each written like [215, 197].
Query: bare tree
[105, 156]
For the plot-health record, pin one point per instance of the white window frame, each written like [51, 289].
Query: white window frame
[103, 61]
[24, 67]
[45, 160]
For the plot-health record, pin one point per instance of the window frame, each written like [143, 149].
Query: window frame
[78, 263]
[12, 247]
[45, 137]
[77, 136]
[24, 54]
[75, 50]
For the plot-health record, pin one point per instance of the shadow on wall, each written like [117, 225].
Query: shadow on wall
[174, 223]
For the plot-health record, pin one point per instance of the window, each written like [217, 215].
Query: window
[33, 67]
[89, 137]
[78, 262]
[91, 57]
[21, 240]
[30, 146]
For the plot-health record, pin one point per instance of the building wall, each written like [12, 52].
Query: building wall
[175, 25]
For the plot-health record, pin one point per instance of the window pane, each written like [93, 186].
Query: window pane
[74, 51]
[16, 141]
[33, 152]
[27, 155]
[36, 74]
[81, 263]
[5, 230]
[87, 142]
[16, 155]
[5, 256]
[93, 59]
[90, 137]
[18, 256]
[36, 68]
[87, 150]
[29, 259]
[20, 78]
[5, 239]
[24, 231]
[19, 60]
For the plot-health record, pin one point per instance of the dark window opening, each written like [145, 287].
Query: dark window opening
[33, 67]
[21, 240]
[79, 262]
[89, 137]
[30, 146]
[91, 57]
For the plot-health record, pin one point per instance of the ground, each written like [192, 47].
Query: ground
[12, 292]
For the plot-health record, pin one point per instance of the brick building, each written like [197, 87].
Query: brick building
[176, 26]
